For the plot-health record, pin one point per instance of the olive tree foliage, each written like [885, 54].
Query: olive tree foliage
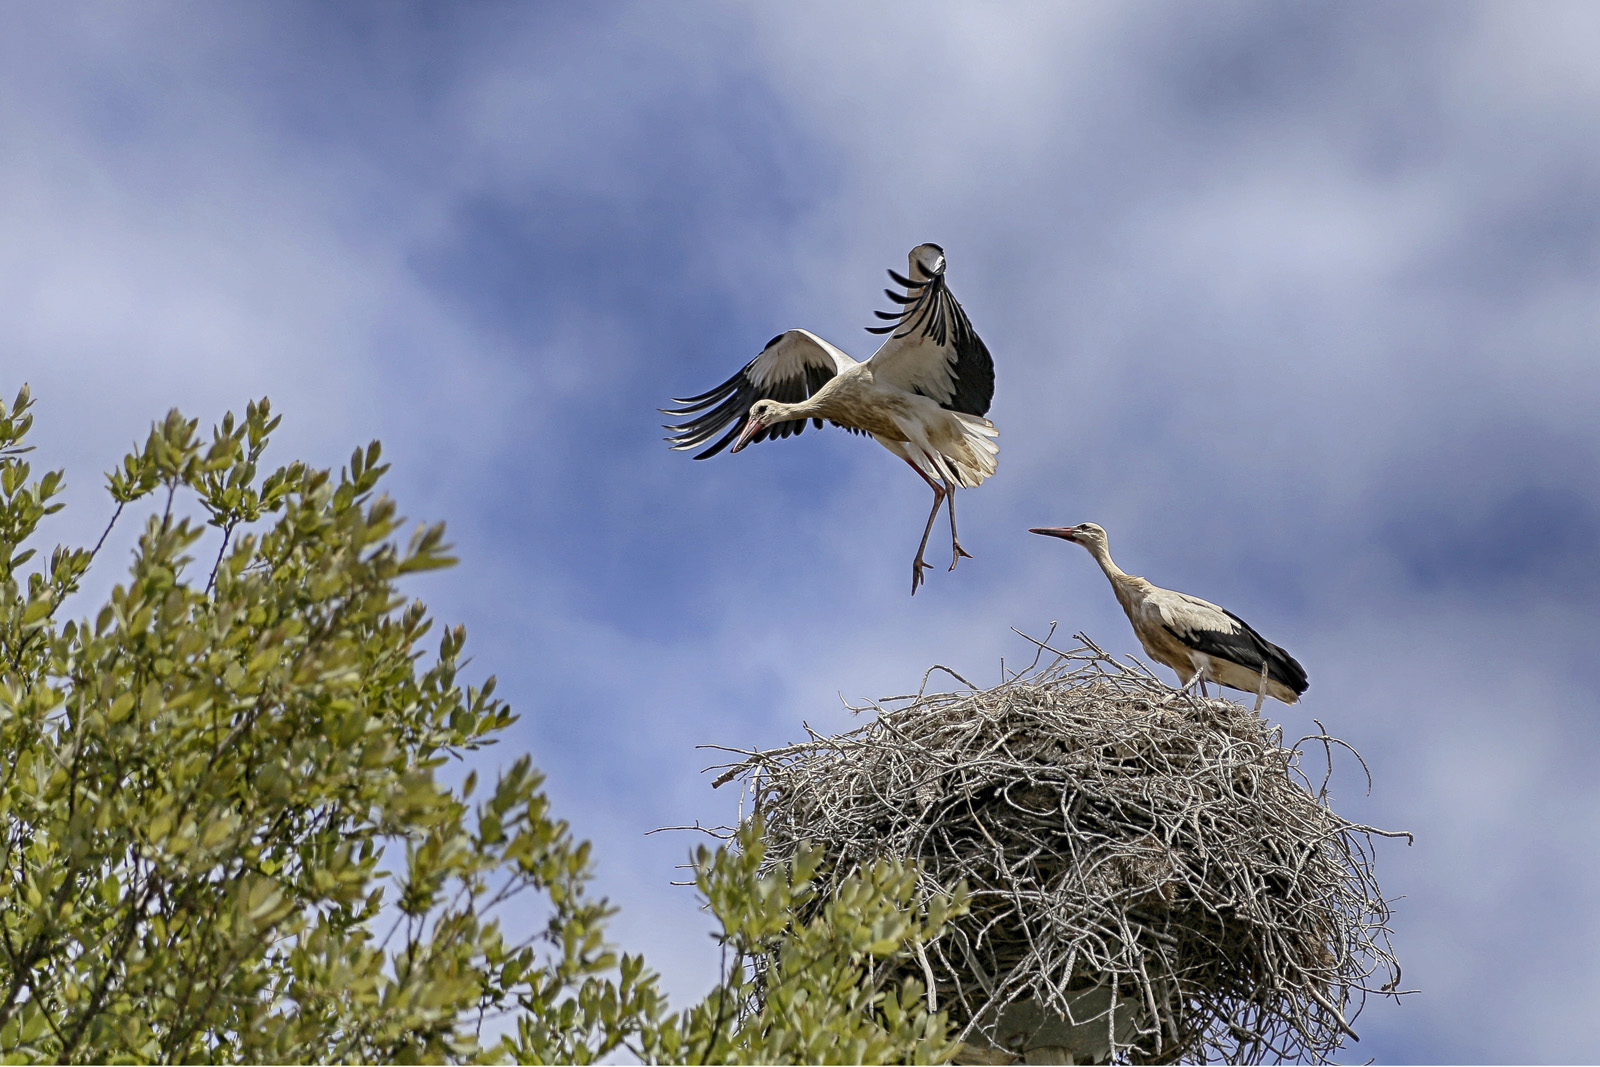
[225, 837]
[818, 990]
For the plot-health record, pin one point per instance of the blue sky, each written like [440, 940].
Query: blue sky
[1299, 301]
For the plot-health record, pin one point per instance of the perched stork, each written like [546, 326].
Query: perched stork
[922, 395]
[1194, 637]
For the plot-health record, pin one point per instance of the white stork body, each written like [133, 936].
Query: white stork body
[938, 443]
[1194, 637]
[922, 395]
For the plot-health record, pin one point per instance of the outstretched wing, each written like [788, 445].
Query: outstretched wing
[932, 348]
[1219, 633]
[792, 367]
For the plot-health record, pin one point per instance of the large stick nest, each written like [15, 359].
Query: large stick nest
[1161, 850]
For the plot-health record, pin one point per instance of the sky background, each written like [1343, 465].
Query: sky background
[1299, 300]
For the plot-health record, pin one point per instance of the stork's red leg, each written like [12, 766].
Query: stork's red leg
[955, 542]
[918, 565]
[1189, 683]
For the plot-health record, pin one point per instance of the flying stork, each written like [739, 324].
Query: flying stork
[922, 395]
[1194, 637]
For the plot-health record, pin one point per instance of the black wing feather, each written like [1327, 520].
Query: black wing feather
[1248, 649]
[729, 406]
[974, 370]
[937, 314]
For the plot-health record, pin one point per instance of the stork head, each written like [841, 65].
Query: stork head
[763, 413]
[1086, 534]
[928, 259]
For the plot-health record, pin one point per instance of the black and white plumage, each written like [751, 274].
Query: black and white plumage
[1194, 637]
[922, 395]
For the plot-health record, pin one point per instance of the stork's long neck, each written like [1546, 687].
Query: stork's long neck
[823, 404]
[1120, 579]
[805, 409]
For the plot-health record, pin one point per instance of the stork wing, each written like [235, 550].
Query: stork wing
[932, 349]
[792, 367]
[1218, 632]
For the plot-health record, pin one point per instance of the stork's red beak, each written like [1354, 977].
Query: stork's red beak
[751, 428]
[1063, 532]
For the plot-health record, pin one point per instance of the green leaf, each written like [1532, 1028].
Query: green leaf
[37, 609]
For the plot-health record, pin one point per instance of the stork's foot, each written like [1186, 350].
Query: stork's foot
[917, 567]
[1187, 689]
[959, 552]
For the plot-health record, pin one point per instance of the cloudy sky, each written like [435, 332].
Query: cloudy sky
[1299, 300]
